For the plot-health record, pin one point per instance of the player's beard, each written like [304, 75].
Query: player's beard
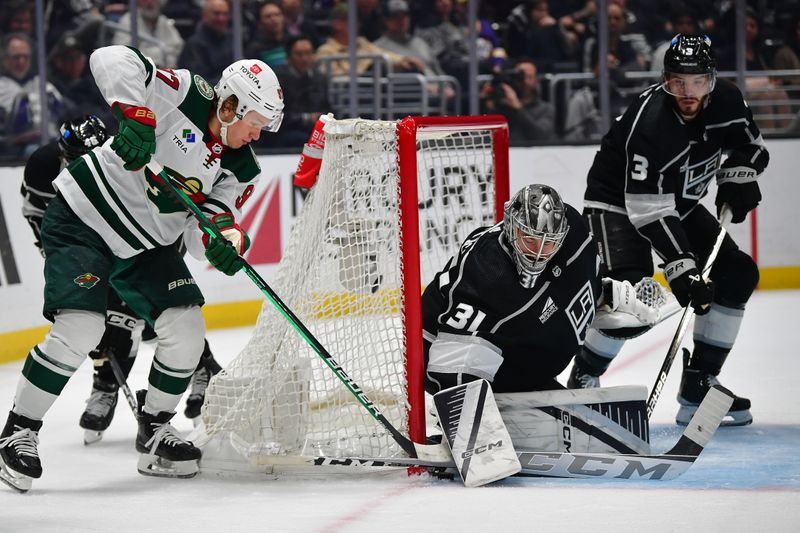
[689, 107]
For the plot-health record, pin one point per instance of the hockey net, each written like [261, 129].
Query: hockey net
[393, 202]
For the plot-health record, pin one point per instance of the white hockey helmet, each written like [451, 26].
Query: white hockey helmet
[257, 89]
[535, 224]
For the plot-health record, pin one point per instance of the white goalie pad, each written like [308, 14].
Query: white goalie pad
[474, 430]
[653, 304]
[602, 420]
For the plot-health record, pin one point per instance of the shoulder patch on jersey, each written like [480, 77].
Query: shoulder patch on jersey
[203, 87]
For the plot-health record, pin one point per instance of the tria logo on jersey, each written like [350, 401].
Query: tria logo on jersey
[549, 308]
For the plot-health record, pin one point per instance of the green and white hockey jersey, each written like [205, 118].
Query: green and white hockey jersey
[125, 207]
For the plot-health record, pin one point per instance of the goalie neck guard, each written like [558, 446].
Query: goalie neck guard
[535, 225]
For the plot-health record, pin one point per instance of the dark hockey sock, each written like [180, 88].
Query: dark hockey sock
[707, 358]
[590, 362]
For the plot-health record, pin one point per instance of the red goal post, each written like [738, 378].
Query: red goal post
[407, 132]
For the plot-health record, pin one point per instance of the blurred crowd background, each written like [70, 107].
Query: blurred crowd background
[536, 60]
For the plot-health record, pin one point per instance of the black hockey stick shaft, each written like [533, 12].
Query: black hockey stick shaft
[724, 218]
[211, 230]
[121, 381]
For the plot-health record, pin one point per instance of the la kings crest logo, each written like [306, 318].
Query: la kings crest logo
[580, 311]
[698, 176]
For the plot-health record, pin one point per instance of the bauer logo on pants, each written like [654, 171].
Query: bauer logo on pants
[87, 281]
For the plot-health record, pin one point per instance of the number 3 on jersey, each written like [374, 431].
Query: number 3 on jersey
[639, 171]
[467, 317]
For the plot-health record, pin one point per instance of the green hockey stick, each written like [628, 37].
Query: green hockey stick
[413, 449]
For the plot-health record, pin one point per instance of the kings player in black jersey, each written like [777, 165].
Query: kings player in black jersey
[513, 306]
[643, 190]
[123, 327]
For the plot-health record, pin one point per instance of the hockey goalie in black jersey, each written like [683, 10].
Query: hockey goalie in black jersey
[123, 327]
[643, 191]
[513, 306]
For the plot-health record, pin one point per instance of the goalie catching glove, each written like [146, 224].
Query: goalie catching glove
[621, 308]
[135, 143]
[224, 254]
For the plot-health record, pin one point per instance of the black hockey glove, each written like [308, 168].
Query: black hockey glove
[738, 188]
[688, 286]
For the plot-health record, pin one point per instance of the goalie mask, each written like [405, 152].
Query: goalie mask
[259, 95]
[535, 225]
[81, 135]
[689, 67]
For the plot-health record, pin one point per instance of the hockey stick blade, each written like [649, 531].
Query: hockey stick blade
[427, 452]
[661, 467]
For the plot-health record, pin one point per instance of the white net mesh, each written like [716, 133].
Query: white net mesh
[341, 275]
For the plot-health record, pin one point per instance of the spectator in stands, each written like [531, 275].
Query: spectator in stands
[489, 45]
[515, 94]
[788, 56]
[769, 101]
[370, 19]
[70, 76]
[574, 16]
[583, 121]
[682, 21]
[534, 33]
[296, 23]
[623, 55]
[305, 93]
[396, 38]
[210, 48]
[449, 44]
[20, 103]
[269, 42]
[337, 44]
[18, 17]
[151, 23]
[185, 13]
[73, 16]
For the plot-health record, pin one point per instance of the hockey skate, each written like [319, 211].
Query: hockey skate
[99, 411]
[19, 456]
[206, 369]
[694, 386]
[163, 452]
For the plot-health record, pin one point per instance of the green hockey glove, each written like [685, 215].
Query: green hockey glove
[224, 254]
[136, 141]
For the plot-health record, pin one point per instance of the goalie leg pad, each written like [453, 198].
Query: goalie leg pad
[476, 434]
[602, 420]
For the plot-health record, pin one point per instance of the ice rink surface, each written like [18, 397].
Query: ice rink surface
[747, 479]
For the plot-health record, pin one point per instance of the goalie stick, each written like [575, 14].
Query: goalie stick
[666, 466]
[724, 218]
[428, 452]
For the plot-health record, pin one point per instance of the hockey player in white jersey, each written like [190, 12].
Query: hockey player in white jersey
[112, 223]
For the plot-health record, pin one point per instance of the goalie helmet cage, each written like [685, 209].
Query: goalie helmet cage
[394, 200]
